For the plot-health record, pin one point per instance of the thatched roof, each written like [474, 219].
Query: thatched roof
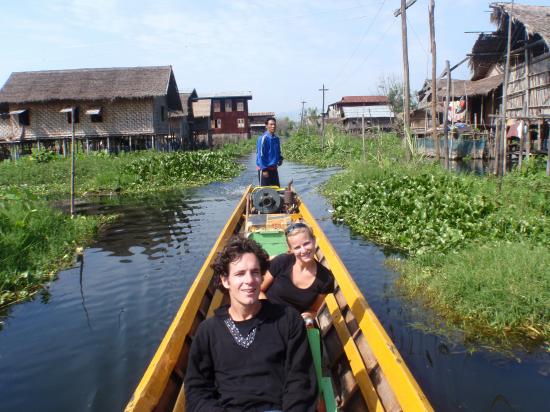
[91, 84]
[460, 88]
[536, 19]
[490, 48]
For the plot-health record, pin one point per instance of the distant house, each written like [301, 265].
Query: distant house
[182, 121]
[351, 111]
[202, 133]
[257, 122]
[228, 117]
[114, 107]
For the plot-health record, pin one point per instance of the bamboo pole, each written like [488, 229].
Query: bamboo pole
[435, 118]
[446, 114]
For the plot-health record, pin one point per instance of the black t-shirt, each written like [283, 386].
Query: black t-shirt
[284, 292]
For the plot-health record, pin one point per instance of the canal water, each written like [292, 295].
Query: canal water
[84, 345]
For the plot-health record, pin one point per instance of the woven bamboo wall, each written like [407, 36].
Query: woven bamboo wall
[120, 117]
[539, 88]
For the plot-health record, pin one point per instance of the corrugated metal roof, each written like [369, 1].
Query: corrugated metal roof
[252, 114]
[247, 94]
[368, 111]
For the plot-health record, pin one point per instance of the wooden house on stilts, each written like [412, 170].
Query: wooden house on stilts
[115, 109]
[476, 104]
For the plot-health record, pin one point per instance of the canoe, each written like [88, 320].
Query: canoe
[358, 366]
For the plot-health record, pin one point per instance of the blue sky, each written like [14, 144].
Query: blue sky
[281, 50]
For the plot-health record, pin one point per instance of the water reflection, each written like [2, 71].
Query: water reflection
[97, 327]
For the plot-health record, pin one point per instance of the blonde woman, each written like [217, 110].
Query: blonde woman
[295, 278]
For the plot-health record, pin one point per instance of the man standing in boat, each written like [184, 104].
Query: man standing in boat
[268, 155]
[252, 355]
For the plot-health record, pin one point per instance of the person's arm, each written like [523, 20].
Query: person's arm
[266, 283]
[314, 308]
[200, 389]
[300, 392]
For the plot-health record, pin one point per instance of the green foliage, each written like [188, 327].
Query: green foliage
[42, 156]
[435, 211]
[338, 149]
[180, 168]
[477, 246]
[127, 172]
[496, 291]
[35, 241]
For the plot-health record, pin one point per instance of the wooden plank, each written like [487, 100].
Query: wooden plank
[180, 401]
[354, 356]
[405, 387]
[215, 303]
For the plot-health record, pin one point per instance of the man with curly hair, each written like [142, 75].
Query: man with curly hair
[251, 355]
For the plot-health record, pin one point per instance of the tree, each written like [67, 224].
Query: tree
[392, 87]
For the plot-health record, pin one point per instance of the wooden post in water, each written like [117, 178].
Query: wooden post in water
[363, 134]
[498, 168]
[446, 114]
[72, 160]
[539, 137]
[435, 118]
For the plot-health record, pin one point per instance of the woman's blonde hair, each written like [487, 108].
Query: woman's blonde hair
[298, 227]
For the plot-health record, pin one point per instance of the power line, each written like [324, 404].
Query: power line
[364, 35]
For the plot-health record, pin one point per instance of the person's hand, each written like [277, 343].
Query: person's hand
[308, 319]
[265, 173]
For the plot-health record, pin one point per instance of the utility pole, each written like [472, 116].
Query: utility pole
[505, 91]
[302, 114]
[406, 87]
[435, 117]
[323, 116]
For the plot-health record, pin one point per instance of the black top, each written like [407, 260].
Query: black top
[275, 372]
[284, 292]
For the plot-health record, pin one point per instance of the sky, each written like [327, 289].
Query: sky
[283, 51]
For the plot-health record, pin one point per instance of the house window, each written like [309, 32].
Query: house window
[219, 123]
[240, 123]
[240, 106]
[162, 113]
[23, 117]
[76, 116]
[217, 106]
[228, 105]
[96, 115]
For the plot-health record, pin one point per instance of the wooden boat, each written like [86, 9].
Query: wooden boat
[360, 368]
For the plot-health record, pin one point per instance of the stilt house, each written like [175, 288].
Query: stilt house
[113, 107]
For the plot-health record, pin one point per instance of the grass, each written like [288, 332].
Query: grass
[36, 240]
[476, 247]
[497, 291]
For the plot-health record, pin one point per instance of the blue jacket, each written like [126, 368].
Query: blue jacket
[268, 151]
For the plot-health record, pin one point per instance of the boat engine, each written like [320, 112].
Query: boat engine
[266, 200]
